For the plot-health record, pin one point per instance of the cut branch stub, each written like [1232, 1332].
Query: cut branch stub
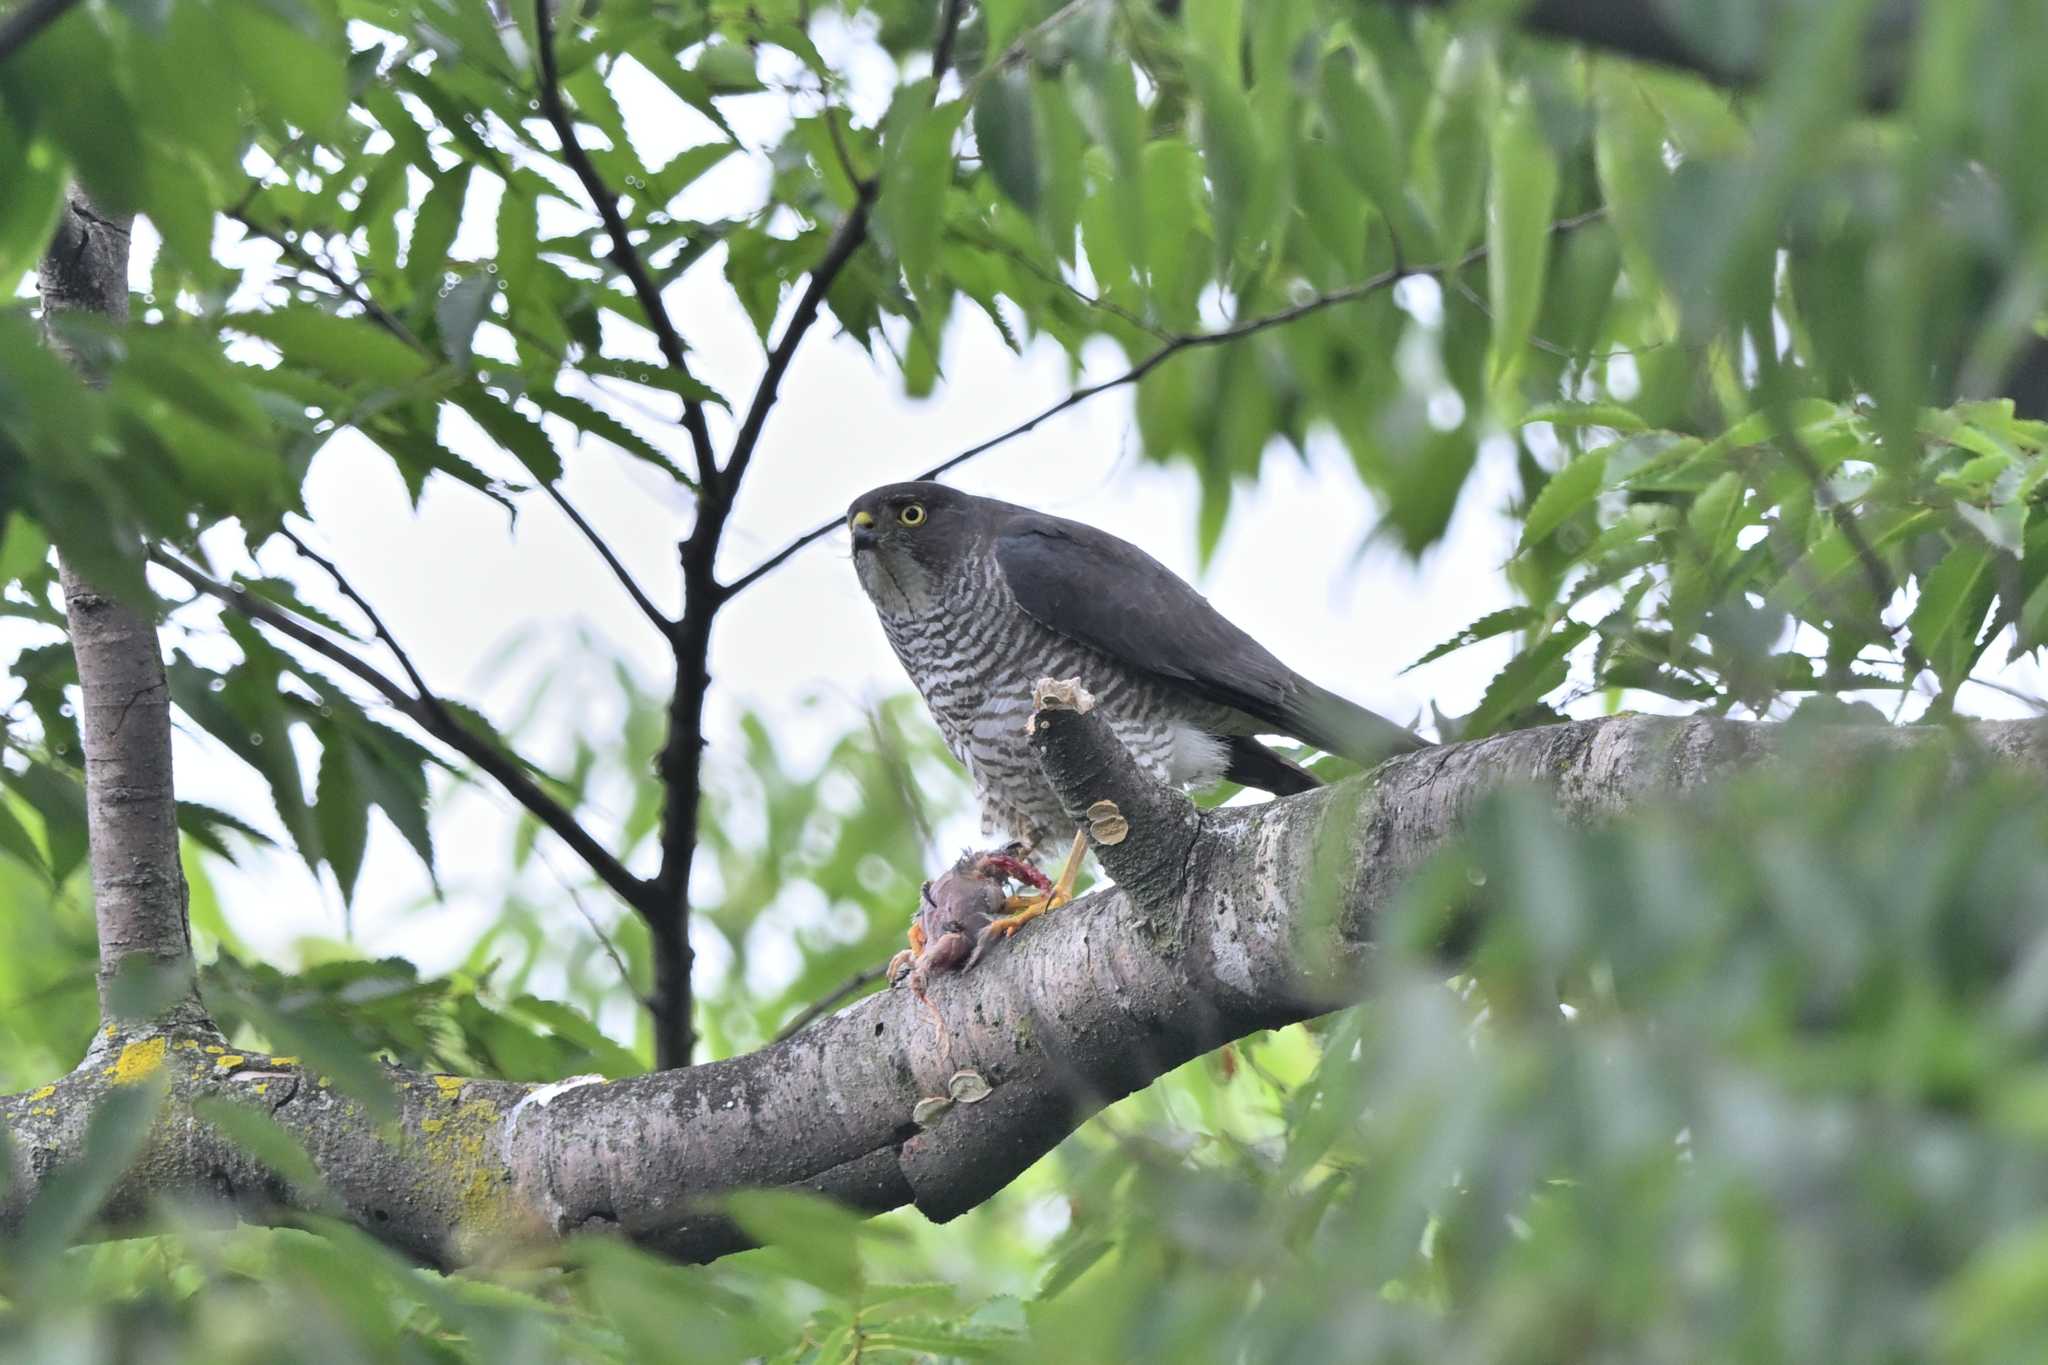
[1142, 829]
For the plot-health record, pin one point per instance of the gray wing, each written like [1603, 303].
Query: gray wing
[1113, 597]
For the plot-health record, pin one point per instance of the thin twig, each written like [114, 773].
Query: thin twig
[624, 254]
[352, 290]
[942, 47]
[641, 600]
[1059, 281]
[833, 999]
[846, 240]
[363, 605]
[431, 716]
[25, 23]
[590, 918]
[1186, 341]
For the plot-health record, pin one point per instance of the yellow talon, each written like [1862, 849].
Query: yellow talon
[1024, 909]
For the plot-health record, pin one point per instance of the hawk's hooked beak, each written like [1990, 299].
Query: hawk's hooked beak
[863, 527]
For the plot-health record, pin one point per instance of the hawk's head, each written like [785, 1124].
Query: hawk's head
[908, 538]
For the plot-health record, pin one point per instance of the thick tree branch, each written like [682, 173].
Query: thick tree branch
[427, 712]
[145, 939]
[1217, 929]
[1173, 346]
[624, 254]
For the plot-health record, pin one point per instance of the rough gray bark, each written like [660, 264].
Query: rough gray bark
[1216, 930]
[125, 723]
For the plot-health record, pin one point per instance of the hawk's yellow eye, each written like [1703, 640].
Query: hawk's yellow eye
[913, 515]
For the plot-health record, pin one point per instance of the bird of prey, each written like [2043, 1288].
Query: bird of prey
[981, 598]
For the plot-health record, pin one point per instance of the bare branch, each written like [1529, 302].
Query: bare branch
[1186, 341]
[832, 1000]
[641, 600]
[624, 254]
[363, 605]
[430, 715]
[352, 290]
[846, 240]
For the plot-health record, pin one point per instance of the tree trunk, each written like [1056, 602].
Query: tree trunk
[139, 896]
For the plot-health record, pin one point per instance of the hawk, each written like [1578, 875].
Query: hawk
[981, 598]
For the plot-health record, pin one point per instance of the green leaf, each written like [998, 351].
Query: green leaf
[1006, 133]
[511, 429]
[1231, 152]
[1485, 628]
[1527, 679]
[34, 172]
[433, 230]
[299, 74]
[1568, 490]
[24, 549]
[349, 349]
[251, 1128]
[820, 1238]
[916, 176]
[1578, 415]
[1716, 514]
[601, 424]
[1943, 623]
[1364, 128]
[341, 808]
[18, 843]
[1518, 231]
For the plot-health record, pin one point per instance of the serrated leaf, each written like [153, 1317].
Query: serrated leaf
[513, 430]
[1569, 490]
[1526, 680]
[349, 349]
[1939, 623]
[597, 422]
[1485, 628]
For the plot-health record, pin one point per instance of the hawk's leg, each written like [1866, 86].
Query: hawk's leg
[1027, 908]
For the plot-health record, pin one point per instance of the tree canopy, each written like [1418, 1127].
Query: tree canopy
[1743, 301]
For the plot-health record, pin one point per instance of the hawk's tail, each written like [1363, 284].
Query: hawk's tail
[1347, 729]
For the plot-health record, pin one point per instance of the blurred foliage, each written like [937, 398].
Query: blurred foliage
[1754, 1078]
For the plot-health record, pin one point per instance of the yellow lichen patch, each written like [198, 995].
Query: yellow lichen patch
[187, 1045]
[43, 1094]
[450, 1086]
[110, 1030]
[47, 1111]
[262, 1086]
[464, 1168]
[229, 1061]
[215, 1048]
[284, 1061]
[138, 1061]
